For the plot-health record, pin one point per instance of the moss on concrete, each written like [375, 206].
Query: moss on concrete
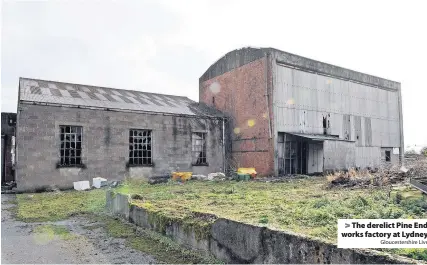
[303, 206]
[161, 247]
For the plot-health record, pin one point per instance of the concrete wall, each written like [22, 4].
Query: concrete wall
[105, 145]
[236, 242]
[241, 94]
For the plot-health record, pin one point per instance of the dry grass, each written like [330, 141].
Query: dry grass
[304, 206]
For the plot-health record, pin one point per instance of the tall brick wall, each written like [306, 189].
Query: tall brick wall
[240, 93]
[106, 145]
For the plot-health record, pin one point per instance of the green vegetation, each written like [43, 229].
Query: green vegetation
[304, 206]
[162, 248]
[46, 233]
[54, 206]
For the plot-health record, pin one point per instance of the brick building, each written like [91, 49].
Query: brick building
[69, 132]
[289, 114]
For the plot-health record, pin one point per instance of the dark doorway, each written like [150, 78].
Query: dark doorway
[387, 156]
[292, 154]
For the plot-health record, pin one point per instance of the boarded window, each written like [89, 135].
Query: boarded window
[71, 145]
[387, 156]
[199, 148]
[140, 148]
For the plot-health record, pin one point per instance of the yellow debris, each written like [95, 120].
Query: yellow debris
[251, 123]
[182, 175]
[247, 170]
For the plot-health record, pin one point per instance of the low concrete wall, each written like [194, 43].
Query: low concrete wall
[236, 242]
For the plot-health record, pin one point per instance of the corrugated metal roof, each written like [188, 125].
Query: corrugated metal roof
[319, 137]
[52, 92]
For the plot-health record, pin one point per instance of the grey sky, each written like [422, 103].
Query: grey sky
[164, 46]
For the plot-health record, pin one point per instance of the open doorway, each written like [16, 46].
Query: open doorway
[292, 154]
[299, 154]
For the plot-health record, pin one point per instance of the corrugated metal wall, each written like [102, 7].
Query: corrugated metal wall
[339, 155]
[302, 99]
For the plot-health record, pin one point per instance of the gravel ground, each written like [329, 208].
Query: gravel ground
[19, 243]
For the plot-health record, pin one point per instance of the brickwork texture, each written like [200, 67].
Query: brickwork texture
[240, 93]
[105, 145]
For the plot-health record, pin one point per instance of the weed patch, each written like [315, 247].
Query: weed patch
[45, 233]
[305, 206]
[54, 206]
[162, 248]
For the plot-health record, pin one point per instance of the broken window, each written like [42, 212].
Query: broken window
[387, 156]
[324, 126]
[199, 148]
[71, 145]
[140, 149]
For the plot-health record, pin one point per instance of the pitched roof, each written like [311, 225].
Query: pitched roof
[59, 93]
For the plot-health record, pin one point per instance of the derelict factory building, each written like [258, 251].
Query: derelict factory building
[289, 114]
[69, 132]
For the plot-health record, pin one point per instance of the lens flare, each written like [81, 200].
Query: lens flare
[215, 87]
[251, 123]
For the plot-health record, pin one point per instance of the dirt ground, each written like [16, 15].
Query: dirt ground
[21, 244]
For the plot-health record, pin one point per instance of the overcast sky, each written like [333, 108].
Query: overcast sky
[165, 46]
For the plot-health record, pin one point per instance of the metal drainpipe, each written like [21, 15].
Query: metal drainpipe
[266, 94]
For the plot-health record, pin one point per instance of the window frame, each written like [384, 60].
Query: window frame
[195, 153]
[133, 161]
[65, 160]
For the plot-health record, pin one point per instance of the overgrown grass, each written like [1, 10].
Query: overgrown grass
[54, 206]
[303, 206]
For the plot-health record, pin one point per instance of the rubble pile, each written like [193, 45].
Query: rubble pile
[418, 170]
[366, 178]
[381, 177]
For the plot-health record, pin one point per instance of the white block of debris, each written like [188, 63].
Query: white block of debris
[81, 185]
[99, 182]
